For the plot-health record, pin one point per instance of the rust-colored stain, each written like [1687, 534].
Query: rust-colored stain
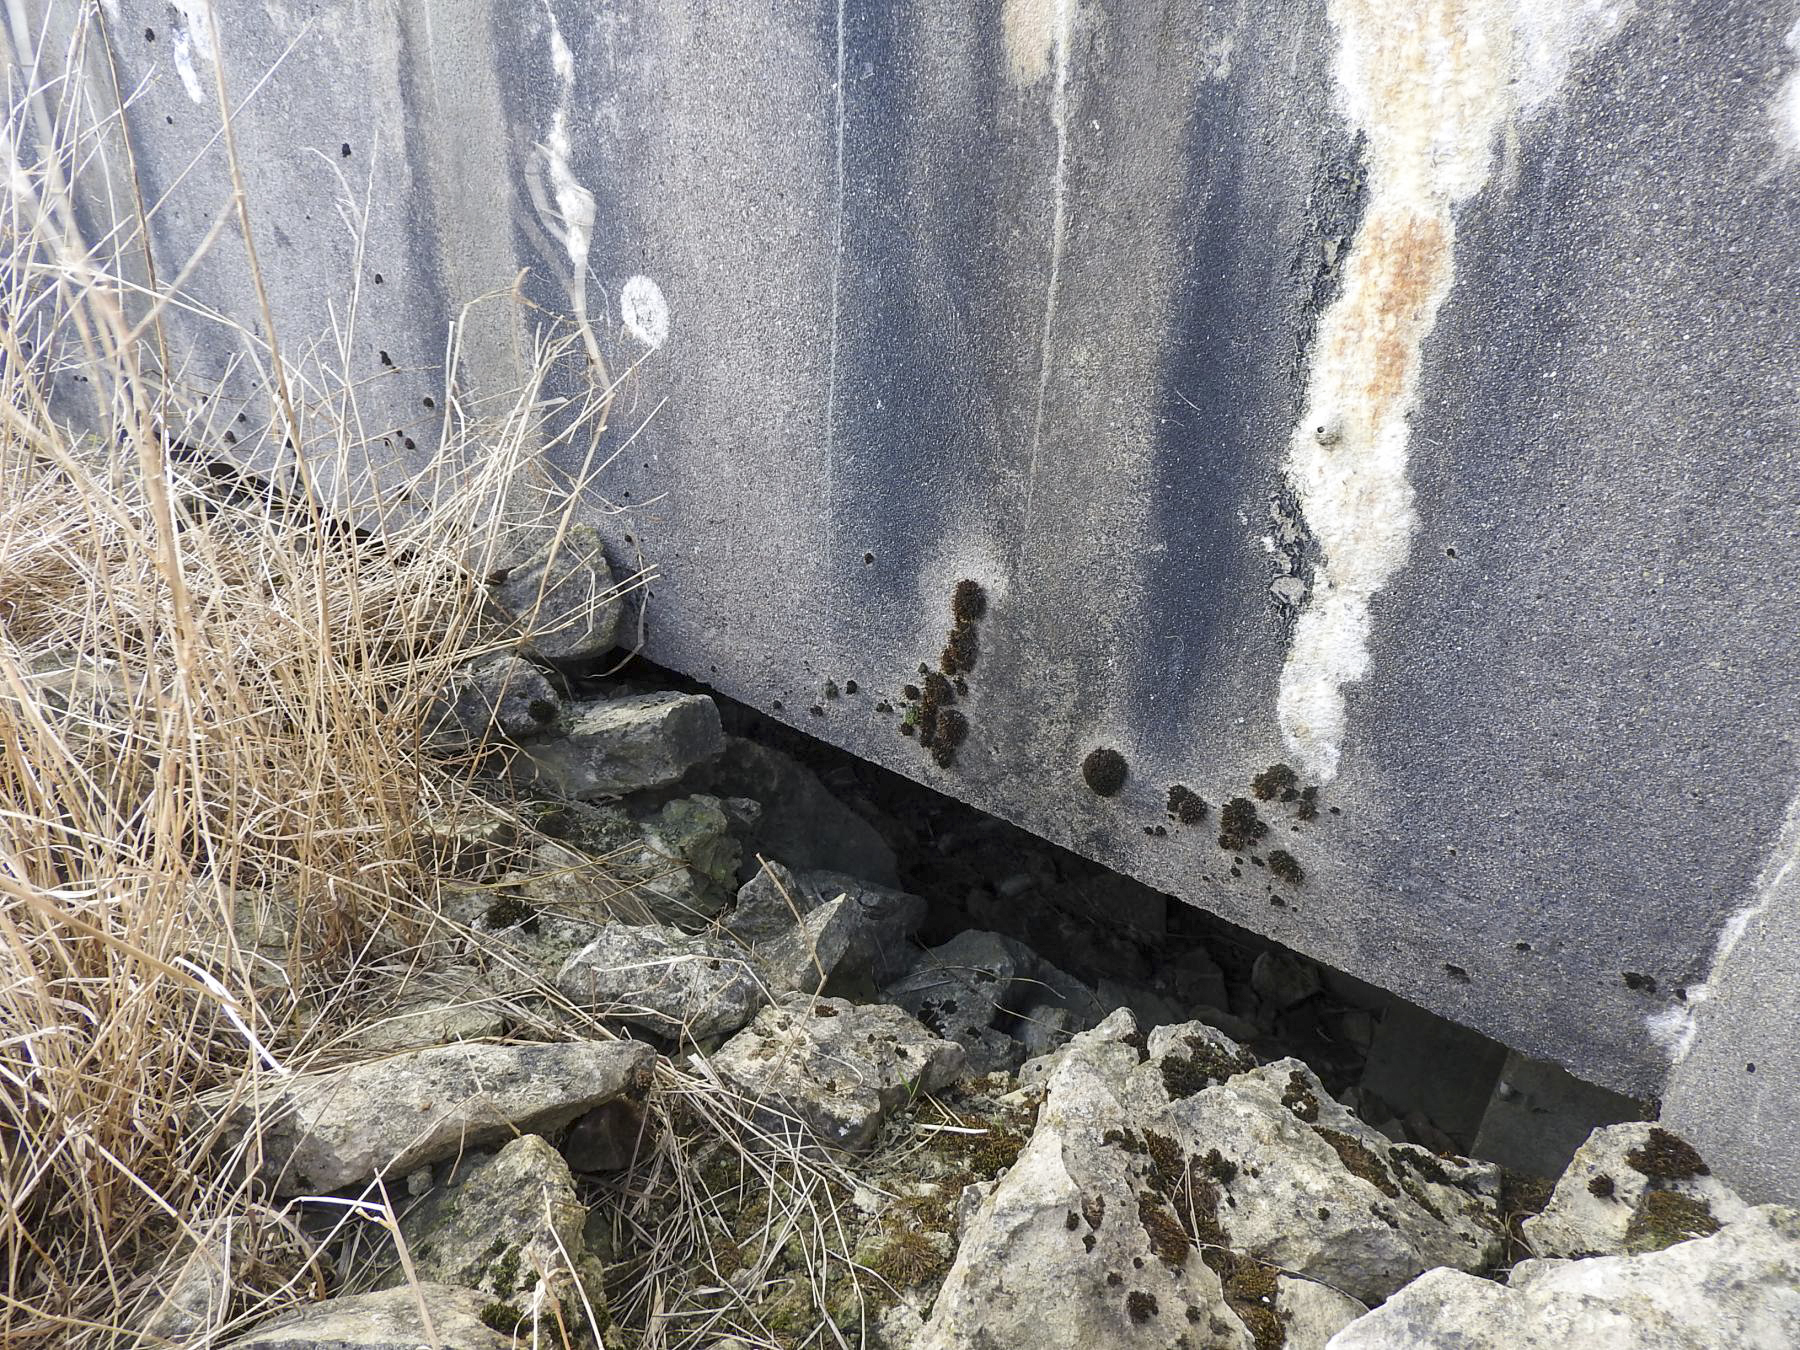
[1402, 258]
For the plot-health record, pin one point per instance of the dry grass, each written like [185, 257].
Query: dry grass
[212, 689]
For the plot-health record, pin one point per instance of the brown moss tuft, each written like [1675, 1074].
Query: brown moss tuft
[1299, 1098]
[1602, 1185]
[1185, 805]
[1167, 1238]
[1140, 1306]
[1239, 826]
[1203, 1065]
[1104, 771]
[968, 602]
[1359, 1161]
[1668, 1156]
[1286, 867]
[1278, 782]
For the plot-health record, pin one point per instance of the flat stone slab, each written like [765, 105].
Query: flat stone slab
[338, 1127]
[388, 1320]
[664, 979]
[613, 746]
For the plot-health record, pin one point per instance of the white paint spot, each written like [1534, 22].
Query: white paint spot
[1430, 84]
[644, 311]
[192, 37]
[1786, 109]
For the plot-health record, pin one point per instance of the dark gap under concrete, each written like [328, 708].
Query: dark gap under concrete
[1418, 1077]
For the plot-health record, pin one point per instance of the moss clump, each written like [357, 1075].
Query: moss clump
[1140, 1306]
[1278, 782]
[1185, 805]
[968, 602]
[1220, 1168]
[1250, 1291]
[1167, 1164]
[1299, 1098]
[906, 1257]
[509, 911]
[1239, 826]
[1359, 1161]
[1286, 867]
[1103, 771]
[503, 1275]
[1203, 1065]
[501, 1317]
[1602, 1185]
[1167, 1238]
[1309, 804]
[952, 730]
[1665, 1218]
[1667, 1156]
[911, 693]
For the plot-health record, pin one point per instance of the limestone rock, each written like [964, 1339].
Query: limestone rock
[1282, 979]
[504, 697]
[563, 598]
[387, 1320]
[960, 988]
[855, 932]
[803, 823]
[1166, 1192]
[835, 1067]
[1736, 1290]
[661, 978]
[610, 747]
[337, 1127]
[510, 1228]
[692, 857]
[1312, 1314]
[1632, 1187]
[440, 1010]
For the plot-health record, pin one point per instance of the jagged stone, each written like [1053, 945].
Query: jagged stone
[563, 598]
[510, 1227]
[502, 697]
[337, 1127]
[1631, 1187]
[440, 1010]
[661, 978]
[834, 1067]
[1165, 1192]
[610, 747]
[1736, 1290]
[389, 1319]
[959, 990]
[803, 823]
[855, 932]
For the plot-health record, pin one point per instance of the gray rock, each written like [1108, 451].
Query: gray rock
[442, 1009]
[1195, 980]
[866, 938]
[804, 958]
[803, 823]
[510, 1228]
[387, 1320]
[1042, 1028]
[337, 1127]
[194, 1299]
[607, 1138]
[1281, 980]
[661, 978]
[960, 988]
[563, 598]
[1607, 1200]
[770, 904]
[693, 857]
[1137, 1168]
[1312, 1314]
[503, 697]
[834, 1067]
[610, 747]
[1737, 1290]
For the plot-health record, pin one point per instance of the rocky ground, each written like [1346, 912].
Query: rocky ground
[717, 1050]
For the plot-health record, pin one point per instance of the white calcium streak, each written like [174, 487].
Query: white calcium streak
[1429, 84]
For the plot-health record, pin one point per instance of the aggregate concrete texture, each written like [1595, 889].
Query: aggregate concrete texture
[1403, 392]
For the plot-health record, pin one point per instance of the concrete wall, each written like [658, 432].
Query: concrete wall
[1401, 391]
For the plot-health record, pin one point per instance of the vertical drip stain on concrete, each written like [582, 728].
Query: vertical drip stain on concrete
[1037, 34]
[1429, 84]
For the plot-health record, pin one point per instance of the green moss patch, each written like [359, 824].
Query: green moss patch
[1665, 1218]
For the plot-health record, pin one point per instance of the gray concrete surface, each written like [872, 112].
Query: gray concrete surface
[1402, 392]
